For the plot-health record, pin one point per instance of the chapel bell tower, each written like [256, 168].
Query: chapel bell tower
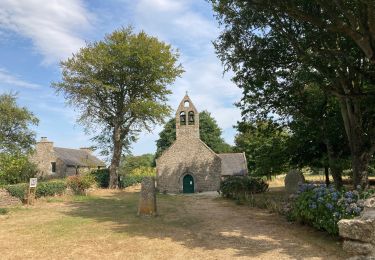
[187, 119]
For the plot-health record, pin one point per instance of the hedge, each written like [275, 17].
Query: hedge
[43, 189]
[239, 188]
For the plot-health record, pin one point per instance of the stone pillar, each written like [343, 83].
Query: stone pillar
[359, 233]
[293, 179]
[147, 200]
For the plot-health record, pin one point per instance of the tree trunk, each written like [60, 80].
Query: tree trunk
[326, 174]
[116, 156]
[351, 115]
[334, 165]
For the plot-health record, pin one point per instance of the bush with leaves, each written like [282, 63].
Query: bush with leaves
[323, 207]
[239, 188]
[50, 188]
[17, 190]
[15, 168]
[137, 175]
[43, 189]
[101, 177]
[79, 184]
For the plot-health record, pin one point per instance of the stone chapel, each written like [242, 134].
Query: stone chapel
[189, 165]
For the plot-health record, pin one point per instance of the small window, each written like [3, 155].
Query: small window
[182, 118]
[186, 103]
[53, 164]
[191, 118]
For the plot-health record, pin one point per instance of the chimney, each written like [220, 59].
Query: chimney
[44, 145]
[87, 149]
[43, 139]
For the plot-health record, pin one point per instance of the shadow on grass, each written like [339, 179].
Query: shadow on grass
[193, 230]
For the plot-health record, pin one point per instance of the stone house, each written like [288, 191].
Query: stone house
[189, 165]
[62, 162]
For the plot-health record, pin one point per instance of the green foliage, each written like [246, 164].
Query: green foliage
[50, 188]
[276, 55]
[264, 144]
[43, 189]
[17, 190]
[137, 175]
[323, 207]
[79, 184]
[15, 168]
[239, 188]
[119, 85]
[3, 211]
[131, 162]
[16, 137]
[209, 131]
[16, 140]
[101, 177]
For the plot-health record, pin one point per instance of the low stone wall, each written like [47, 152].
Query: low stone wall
[7, 200]
[359, 233]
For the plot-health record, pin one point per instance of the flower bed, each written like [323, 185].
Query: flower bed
[323, 207]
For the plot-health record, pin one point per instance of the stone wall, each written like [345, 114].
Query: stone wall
[359, 233]
[43, 157]
[188, 156]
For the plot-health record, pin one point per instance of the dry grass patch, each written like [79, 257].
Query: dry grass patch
[104, 225]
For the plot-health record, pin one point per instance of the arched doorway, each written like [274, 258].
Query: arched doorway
[188, 184]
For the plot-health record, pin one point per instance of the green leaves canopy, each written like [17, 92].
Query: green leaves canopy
[119, 86]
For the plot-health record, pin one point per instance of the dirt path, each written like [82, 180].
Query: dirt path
[104, 226]
[252, 233]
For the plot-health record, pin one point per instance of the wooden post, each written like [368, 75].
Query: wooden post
[31, 191]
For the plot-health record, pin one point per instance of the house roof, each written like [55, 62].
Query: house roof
[76, 157]
[233, 164]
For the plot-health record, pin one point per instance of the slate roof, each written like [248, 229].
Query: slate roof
[76, 157]
[233, 164]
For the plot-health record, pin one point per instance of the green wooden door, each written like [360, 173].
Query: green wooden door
[188, 184]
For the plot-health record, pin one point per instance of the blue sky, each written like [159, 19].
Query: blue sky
[36, 34]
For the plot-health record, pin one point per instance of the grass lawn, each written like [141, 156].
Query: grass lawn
[104, 225]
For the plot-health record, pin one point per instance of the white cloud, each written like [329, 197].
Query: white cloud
[14, 80]
[54, 26]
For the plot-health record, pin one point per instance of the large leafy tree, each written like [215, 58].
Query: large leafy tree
[354, 19]
[15, 122]
[264, 144]
[209, 132]
[131, 162]
[16, 140]
[274, 55]
[119, 85]
[317, 133]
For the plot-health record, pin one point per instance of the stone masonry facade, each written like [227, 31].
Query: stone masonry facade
[61, 162]
[189, 155]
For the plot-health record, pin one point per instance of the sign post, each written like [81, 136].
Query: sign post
[31, 191]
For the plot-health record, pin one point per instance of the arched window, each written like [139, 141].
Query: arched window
[186, 103]
[191, 117]
[182, 118]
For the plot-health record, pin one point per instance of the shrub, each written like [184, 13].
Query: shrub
[17, 190]
[50, 188]
[80, 183]
[15, 168]
[43, 189]
[101, 177]
[3, 211]
[136, 176]
[323, 207]
[240, 187]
